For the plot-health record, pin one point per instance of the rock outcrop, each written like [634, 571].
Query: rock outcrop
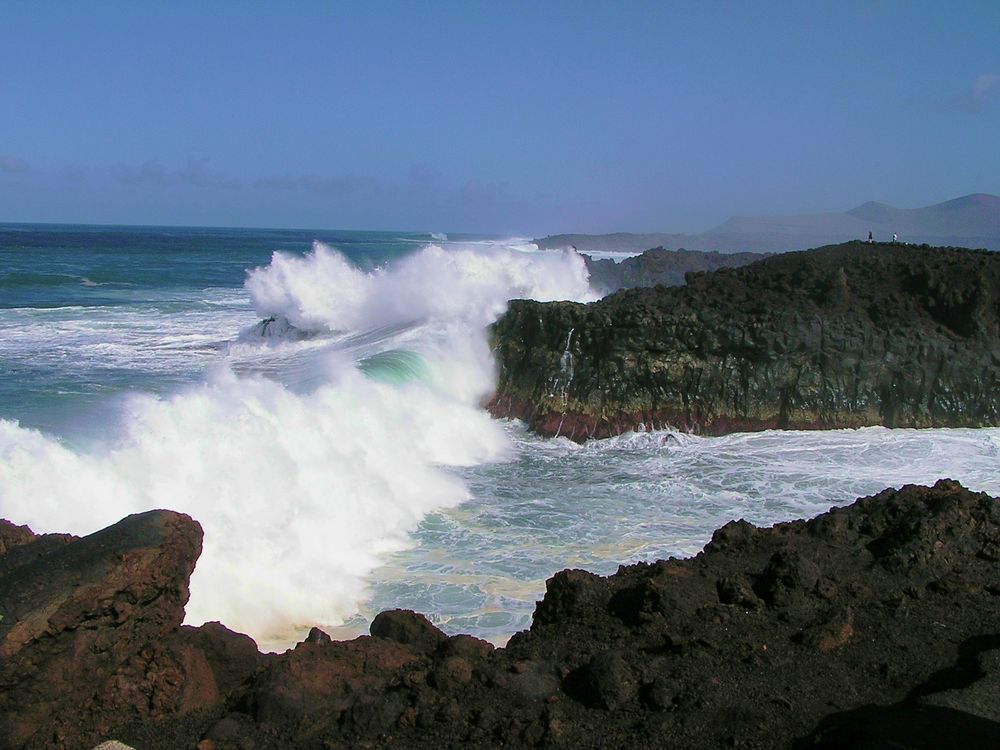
[842, 336]
[90, 634]
[659, 266]
[876, 624]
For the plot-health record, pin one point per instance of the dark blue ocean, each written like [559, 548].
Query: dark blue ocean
[313, 399]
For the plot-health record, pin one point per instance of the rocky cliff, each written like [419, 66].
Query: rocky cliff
[659, 266]
[875, 625]
[841, 336]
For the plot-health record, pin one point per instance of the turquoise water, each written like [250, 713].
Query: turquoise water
[336, 454]
[88, 313]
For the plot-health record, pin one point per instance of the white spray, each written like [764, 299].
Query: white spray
[302, 491]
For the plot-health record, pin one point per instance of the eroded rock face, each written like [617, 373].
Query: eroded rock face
[90, 633]
[843, 336]
[76, 612]
[877, 623]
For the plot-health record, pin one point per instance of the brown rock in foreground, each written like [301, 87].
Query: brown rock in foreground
[90, 632]
[874, 625]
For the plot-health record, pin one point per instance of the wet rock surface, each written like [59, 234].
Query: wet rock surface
[842, 336]
[875, 625]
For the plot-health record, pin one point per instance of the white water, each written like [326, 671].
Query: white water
[303, 472]
[343, 464]
[643, 496]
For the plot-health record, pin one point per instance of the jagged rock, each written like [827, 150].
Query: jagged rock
[13, 536]
[843, 336]
[318, 636]
[409, 628]
[468, 646]
[606, 681]
[231, 658]
[874, 623]
[72, 648]
[329, 688]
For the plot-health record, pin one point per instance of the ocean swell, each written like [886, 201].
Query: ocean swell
[303, 483]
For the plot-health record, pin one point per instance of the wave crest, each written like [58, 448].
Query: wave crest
[302, 491]
[323, 290]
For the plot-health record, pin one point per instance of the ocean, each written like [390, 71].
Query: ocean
[313, 398]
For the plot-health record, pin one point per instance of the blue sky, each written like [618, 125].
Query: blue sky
[521, 118]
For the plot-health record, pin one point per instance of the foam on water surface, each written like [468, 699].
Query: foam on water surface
[643, 496]
[306, 461]
[337, 457]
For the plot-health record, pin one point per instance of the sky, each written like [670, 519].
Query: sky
[520, 118]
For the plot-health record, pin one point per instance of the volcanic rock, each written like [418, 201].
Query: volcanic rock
[659, 266]
[872, 625]
[81, 621]
[842, 336]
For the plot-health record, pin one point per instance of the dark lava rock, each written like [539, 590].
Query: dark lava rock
[842, 336]
[874, 625]
[13, 536]
[659, 266]
[409, 628]
[83, 628]
[606, 681]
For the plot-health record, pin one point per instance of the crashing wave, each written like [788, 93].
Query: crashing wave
[302, 491]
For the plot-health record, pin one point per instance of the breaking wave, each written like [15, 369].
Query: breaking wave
[315, 446]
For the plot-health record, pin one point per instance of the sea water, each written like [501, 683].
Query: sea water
[313, 400]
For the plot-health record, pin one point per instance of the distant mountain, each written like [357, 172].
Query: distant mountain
[970, 221]
[976, 215]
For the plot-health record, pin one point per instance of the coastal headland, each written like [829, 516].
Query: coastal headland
[659, 266]
[842, 336]
[871, 625]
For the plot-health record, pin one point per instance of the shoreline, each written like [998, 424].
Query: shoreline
[784, 631]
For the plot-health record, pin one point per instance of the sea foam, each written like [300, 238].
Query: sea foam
[304, 484]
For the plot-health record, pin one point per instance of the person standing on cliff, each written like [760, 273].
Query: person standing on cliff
[870, 240]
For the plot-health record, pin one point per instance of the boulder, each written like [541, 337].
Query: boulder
[83, 628]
